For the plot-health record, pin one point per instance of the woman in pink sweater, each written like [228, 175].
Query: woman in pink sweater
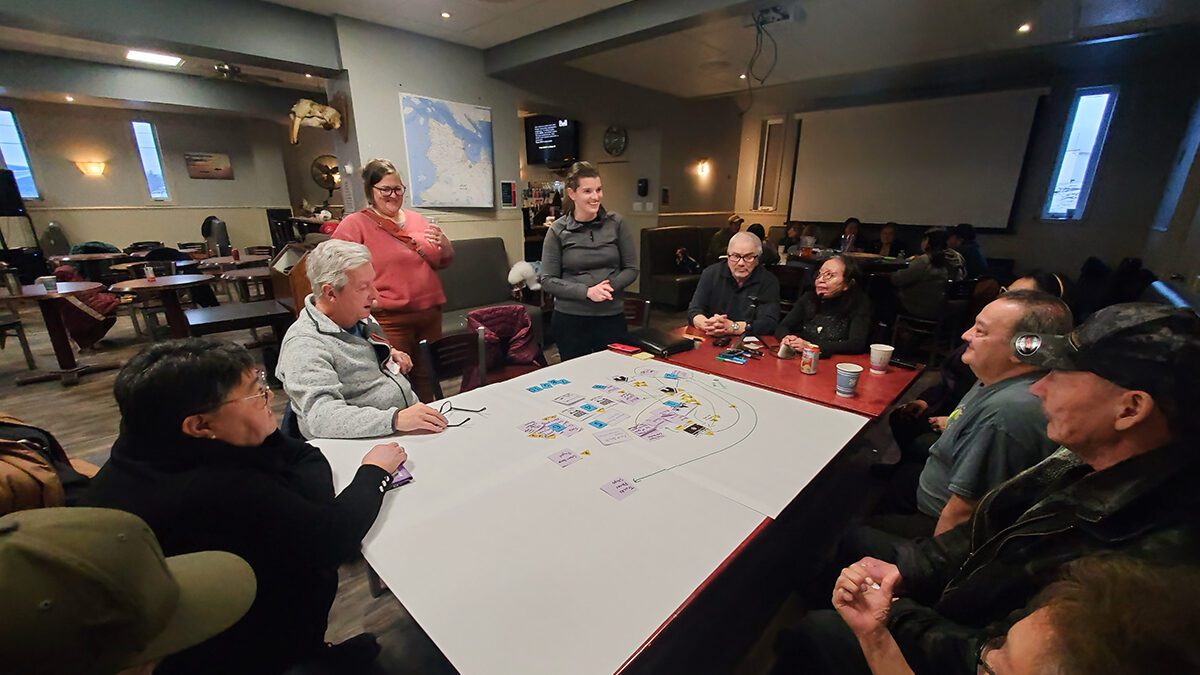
[407, 250]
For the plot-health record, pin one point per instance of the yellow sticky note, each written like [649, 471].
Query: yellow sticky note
[644, 356]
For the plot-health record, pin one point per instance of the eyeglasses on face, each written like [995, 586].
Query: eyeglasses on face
[390, 191]
[981, 662]
[447, 407]
[746, 258]
[264, 391]
[827, 276]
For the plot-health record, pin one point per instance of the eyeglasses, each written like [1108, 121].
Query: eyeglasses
[981, 664]
[390, 191]
[747, 258]
[447, 407]
[827, 276]
[264, 391]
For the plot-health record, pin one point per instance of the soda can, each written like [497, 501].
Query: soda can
[809, 357]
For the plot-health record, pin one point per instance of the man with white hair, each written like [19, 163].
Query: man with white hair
[343, 378]
[736, 296]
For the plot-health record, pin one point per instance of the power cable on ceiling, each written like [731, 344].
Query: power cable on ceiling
[760, 31]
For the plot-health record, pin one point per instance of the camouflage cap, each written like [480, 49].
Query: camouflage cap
[1139, 345]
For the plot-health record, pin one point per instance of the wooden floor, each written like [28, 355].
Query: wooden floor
[85, 420]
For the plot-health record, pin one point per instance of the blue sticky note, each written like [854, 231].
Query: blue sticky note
[588, 407]
[599, 386]
[672, 404]
[598, 424]
[534, 389]
[556, 427]
[670, 376]
[565, 381]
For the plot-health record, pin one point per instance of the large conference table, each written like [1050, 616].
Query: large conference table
[510, 554]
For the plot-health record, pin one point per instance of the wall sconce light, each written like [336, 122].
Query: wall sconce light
[702, 167]
[91, 168]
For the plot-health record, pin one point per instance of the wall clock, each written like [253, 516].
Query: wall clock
[615, 140]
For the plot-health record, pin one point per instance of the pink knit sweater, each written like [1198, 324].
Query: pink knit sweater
[407, 282]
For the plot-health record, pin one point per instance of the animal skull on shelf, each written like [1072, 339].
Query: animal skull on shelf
[309, 113]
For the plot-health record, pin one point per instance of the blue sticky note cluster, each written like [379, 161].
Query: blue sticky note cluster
[546, 385]
[598, 424]
[672, 404]
[589, 407]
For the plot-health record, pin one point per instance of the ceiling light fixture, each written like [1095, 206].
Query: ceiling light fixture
[153, 58]
[91, 168]
[1025, 27]
[445, 15]
[308, 75]
[702, 167]
[742, 76]
[70, 99]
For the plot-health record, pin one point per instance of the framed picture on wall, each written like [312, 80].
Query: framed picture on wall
[208, 165]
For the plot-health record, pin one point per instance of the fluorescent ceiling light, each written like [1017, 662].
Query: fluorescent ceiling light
[1025, 27]
[70, 99]
[153, 58]
[445, 15]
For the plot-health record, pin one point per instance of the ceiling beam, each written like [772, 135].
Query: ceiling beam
[250, 33]
[624, 24]
[21, 72]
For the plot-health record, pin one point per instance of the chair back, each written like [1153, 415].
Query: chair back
[143, 246]
[259, 250]
[451, 356]
[162, 268]
[191, 246]
[637, 313]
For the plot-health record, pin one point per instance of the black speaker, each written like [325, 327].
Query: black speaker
[11, 204]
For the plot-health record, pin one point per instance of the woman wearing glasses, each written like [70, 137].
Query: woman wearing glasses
[587, 261]
[407, 251]
[835, 315]
[200, 459]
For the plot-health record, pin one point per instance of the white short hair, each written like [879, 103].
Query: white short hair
[747, 237]
[331, 259]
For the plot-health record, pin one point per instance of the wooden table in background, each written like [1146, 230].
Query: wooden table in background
[873, 396]
[90, 264]
[167, 288]
[244, 261]
[50, 303]
[243, 277]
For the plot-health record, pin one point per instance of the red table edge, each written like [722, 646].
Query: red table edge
[699, 589]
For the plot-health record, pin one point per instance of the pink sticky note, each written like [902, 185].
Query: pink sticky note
[618, 488]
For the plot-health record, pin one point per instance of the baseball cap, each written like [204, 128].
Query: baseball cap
[1139, 345]
[735, 218]
[88, 591]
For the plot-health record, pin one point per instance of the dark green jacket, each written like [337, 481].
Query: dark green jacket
[974, 581]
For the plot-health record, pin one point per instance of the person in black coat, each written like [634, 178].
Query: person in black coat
[206, 467]
[835, 315]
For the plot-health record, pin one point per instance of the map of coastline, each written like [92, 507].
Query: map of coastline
[449, 152]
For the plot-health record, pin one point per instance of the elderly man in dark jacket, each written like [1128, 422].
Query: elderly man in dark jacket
[1120, 399]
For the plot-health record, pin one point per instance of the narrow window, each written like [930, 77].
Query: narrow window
[12, 149]
[770, 161]
[147, 145]
[1079, 155]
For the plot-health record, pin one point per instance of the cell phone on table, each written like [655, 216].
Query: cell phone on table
[401, 477]
[722, 341]
[903, 364]
[623, 348]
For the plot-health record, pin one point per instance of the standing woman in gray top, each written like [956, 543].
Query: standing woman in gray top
[587, 261]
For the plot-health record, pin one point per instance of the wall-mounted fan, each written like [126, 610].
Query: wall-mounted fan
[325, 173]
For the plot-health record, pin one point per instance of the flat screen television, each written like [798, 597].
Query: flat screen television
[551, 141]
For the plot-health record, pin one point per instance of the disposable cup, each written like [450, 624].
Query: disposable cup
[847, 378]
[881, 356]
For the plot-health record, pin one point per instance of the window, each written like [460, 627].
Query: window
[12, 149]
[1083, 140]
[770, 160]
[147, 145]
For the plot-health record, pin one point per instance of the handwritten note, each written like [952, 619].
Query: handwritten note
[564, 458]
[618, 488]
[568, 399]
[612, 436]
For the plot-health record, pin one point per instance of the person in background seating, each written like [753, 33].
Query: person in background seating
[921, 287]
[206, 467]
[962, 239]
[342, 377]
[847, 241]
[888, 246]
[720, 240]
[769, 255]
[407, 250]
[1120, 398]
[835, 315]
[588, 260]
[791, 237]
[1108, 614]
[88, 592]
[728, 290]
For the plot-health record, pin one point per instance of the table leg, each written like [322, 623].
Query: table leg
[176, 319]
[69, 369]
[268, 289]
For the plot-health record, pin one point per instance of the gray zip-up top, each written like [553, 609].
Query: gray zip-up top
[339, 383]
[577, 256]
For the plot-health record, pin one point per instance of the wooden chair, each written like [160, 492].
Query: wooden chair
[451, 356]
[939, 334]
[637, 313]
[10, 324]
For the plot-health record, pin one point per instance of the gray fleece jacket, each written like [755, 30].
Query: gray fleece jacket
[577, 256]
[340, 384]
